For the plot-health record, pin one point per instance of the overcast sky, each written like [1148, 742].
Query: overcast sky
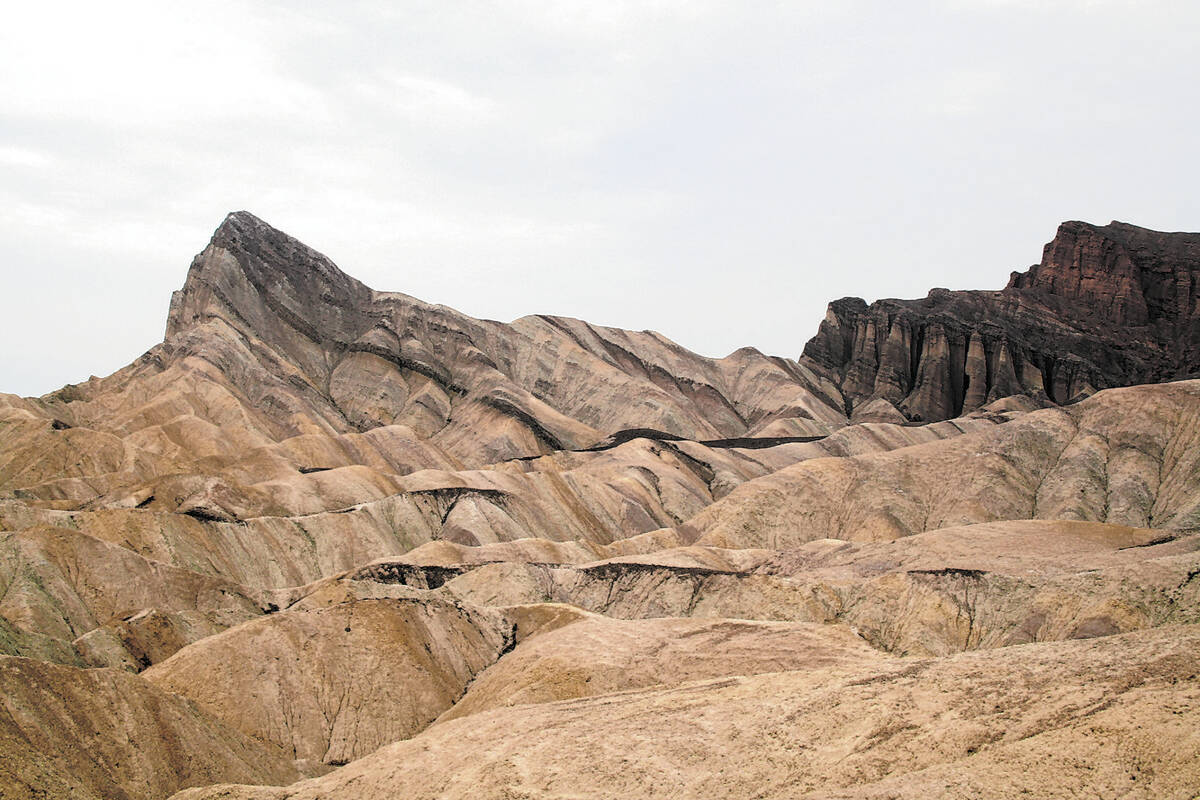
[714, 171]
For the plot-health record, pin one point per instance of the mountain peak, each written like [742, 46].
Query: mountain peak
[254, 275]
[242, 224]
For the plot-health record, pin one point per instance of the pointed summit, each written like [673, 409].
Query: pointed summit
[241, 221]
[256, 277]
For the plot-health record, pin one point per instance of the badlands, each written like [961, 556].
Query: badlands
[329, 542]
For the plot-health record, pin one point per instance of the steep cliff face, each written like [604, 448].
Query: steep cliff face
[1130, 275]
[1107, 306]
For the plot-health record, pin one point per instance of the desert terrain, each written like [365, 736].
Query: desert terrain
[325, 541]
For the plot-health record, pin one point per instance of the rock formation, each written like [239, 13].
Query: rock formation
[325, 541]
[1107, 306]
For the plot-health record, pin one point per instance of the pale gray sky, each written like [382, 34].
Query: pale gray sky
[714, 171]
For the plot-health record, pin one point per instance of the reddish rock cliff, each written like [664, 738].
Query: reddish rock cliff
[1107, 306]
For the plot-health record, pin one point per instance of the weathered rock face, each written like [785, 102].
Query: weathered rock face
[1123, 273]
[362, 359]
[1107, 306]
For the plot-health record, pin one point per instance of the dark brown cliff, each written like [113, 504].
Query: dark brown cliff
[1107, 306]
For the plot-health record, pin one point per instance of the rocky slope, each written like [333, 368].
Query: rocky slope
[1126, 456]
[324, 532]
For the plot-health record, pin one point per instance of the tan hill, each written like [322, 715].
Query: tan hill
[103, 734]
[196, 577]
[1115, 716]
[332, 684]
[1126, 456]
[598, 655]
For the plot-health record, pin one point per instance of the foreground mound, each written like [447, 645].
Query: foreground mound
[1112, 716]
[104, 734]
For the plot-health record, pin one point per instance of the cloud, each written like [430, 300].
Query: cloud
[24, 157]
[143, 64]
[427, 100]
[962, 94]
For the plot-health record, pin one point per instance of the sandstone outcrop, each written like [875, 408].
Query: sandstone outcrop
[936, 593]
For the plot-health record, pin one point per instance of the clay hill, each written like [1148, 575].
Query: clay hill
[330, 542]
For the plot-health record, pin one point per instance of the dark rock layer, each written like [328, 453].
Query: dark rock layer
[1108, 306]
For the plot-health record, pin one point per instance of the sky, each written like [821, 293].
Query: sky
[715, 171]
